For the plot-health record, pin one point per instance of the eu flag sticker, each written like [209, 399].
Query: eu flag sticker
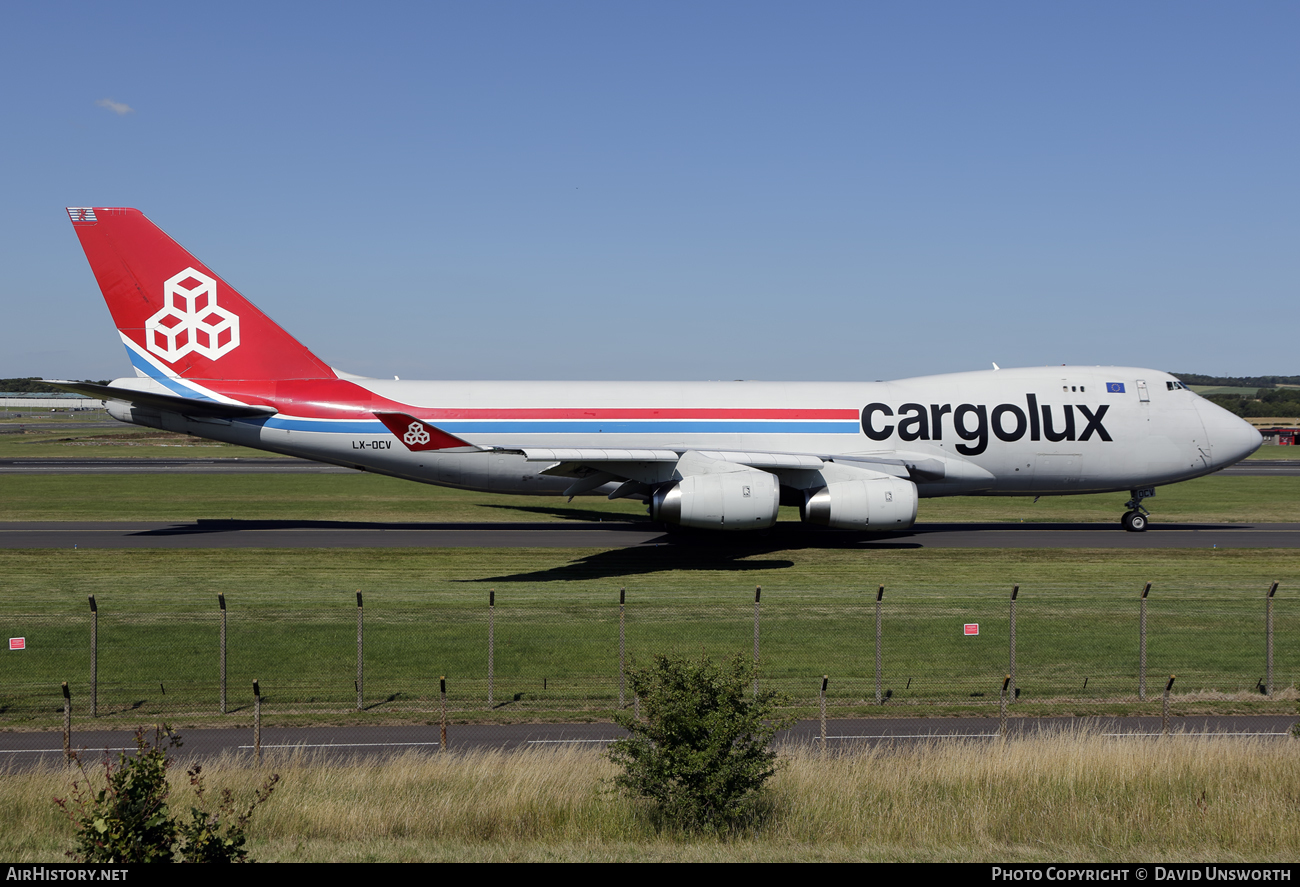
[1115, 387]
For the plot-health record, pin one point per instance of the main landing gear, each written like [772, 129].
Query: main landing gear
[1135, 519]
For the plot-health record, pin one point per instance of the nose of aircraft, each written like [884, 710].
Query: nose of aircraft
[1231, 438]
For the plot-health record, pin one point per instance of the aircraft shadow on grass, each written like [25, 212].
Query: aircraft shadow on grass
[683, 550]
[704, 551]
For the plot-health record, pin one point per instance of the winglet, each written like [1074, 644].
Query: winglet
[419, 435]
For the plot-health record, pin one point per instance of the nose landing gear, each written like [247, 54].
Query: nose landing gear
[1135, 519]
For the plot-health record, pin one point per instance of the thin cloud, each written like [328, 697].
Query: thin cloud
[116, 107]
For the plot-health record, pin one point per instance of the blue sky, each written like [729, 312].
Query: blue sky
[673, 190]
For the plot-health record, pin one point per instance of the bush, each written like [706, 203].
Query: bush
[128, 820]
[701, 753]
[203, 838]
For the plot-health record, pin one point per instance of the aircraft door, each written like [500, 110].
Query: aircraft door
[1057, 472]
[1143, 395]
[448, 468]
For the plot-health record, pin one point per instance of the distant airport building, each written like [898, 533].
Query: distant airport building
[1285, 436]
[22, 400]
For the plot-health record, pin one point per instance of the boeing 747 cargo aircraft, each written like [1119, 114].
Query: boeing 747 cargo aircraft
[715, 455]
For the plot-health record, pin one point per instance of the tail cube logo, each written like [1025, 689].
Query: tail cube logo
[191, 320]
[415, 435]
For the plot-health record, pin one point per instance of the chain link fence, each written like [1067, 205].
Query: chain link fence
[520, 654]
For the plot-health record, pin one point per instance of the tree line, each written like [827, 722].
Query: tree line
[1238, 381]
[33, 385]
[1266, 402]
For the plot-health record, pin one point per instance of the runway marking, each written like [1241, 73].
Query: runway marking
[51, 751]
[992, 735]
[566, 741]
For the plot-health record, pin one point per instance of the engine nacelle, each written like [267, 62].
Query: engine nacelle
[884, 503]
[734, 500]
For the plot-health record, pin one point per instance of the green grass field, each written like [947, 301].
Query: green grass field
[292, 625]
[292, 617]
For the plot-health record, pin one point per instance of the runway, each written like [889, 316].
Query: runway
[1263, 468]
[21, 750]
[623, 534]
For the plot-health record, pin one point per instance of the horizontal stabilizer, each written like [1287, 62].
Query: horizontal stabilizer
[419, 435]
[186, 406]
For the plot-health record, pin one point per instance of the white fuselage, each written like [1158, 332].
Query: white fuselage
[1030, 431]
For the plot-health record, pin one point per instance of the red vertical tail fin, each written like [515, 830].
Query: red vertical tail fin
[176, 317]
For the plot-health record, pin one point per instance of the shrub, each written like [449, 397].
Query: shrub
[218, 836]
[128, 820]
[701, 752]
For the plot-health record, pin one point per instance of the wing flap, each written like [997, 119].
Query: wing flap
[593, 455]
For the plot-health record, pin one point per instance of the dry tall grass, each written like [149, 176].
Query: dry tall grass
[1070, 797]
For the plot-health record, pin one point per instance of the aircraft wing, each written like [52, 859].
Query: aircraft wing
[587, 455]
[917, 469]
[641, 470]
[186, 406]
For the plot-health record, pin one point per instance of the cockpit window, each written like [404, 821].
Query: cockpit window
[1176, 386]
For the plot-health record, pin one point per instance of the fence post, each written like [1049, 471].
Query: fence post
[442, 721]
[825, 678]
[221, 601]
[1268, 639]
[361, 675]
[622, 647]
[1001, 706]
[1015, 590]
[880, 593]
[492, 606]
[758, 591]
[1142, 645]
[257, 722]
[94, 658]
[67, 723]
[1165, 707]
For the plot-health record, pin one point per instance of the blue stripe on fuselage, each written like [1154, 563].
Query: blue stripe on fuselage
[571, 427]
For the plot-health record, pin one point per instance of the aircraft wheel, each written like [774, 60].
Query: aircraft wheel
[1125, 518]
[1138, 522]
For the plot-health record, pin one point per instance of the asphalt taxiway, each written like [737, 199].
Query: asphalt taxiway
[623, 534]
[21, 750]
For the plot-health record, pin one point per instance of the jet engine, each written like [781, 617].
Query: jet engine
[883, 503]
[744, 499]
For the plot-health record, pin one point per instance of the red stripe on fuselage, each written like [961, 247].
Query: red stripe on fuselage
[341, 399]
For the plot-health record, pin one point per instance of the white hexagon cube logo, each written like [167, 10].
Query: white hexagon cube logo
[415, 435]
[191, 320]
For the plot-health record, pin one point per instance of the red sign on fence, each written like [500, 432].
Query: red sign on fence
[971, 628]
[18, 643]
